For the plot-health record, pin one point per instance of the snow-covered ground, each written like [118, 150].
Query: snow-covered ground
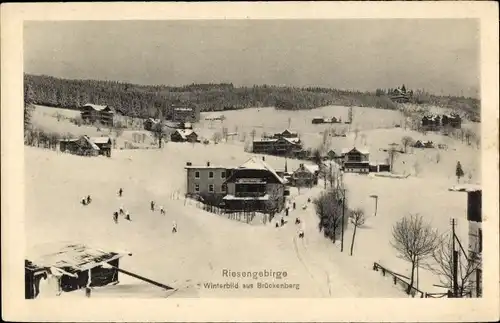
[206, 243]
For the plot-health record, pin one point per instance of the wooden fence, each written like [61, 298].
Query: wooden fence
[396, 278]
[242, 216]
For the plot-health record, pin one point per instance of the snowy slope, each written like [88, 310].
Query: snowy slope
[205, 244]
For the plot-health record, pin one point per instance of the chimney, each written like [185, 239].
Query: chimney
[188, 164]
[208, 163]
[263, 158]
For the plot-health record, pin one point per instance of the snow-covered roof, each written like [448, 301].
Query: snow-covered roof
[466, 188]
[364, 151]
[293, 140]
[258, 164]
[183, 109]
[76, 257]
[96, 107]
[184, 132]
[312, 168]
[100, 140]
[91, 143]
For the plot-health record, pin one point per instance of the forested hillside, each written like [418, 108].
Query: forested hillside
[146, 101]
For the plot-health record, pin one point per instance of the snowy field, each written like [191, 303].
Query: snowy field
[207, 243]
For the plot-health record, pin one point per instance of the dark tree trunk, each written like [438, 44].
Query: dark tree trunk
[410, 286]
[353, 237]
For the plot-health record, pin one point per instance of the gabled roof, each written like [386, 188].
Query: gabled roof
[294, 140]
[288, 131]
[363, 151]
[74, 257]
[100, 140]
[184, 132]
[97, 107]
[258, 164]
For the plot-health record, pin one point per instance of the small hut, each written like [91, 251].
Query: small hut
[75, 266]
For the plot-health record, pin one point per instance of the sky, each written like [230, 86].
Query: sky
[438, 55]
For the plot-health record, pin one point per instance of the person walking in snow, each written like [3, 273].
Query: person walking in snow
[84, 201]
[162, 210]
[286, 211]
[127, 216]
[282, 221]
[297, 221]
[115, 217]
[89, 199]
[121, 210]
[152, 205]
[174, 227]
[301, 234]
[294, 205]
[120, 192]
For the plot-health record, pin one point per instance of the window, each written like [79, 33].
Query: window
[197, 174]
[196, 187]
[211, 187]
[223, 174]
[211, 175]
[224, 187]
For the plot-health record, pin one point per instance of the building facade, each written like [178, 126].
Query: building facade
[104, 143]
[205, 180]
[184, 135]
[356, 160]
[82, 146]
[185, 113]
[93, 113]
[305, 176]
[255, 186]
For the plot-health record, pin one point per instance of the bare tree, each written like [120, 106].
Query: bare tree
[467, 266]
[392, 154]
[406, 141]
[217, 137]
[331, 206]
[459, 171]
[253, 133]
[415, 241]
[356, 133]
[225, 133]
[358, 218]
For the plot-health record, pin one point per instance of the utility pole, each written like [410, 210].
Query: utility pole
[343, 214]
[455, 261]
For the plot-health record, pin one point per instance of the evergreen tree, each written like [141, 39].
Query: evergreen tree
[459, 171]
[28, 106]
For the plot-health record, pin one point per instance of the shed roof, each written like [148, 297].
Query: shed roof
[72, 257]
[91, 143]
[185, 132]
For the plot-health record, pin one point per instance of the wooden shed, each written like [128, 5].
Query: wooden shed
[75, 266]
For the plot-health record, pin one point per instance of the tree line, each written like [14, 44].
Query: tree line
[147, 100]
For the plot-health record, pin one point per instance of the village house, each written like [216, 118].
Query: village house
[255, 186]
[184, 135]
[185, 113]
[475, 243]
[74, 266]
[208, 179]
[104, 144]
[434, 122]
[356, 160]
[286, 134]
[321, 120]
[93, 113]
[305, 176]
[82, 146]
[423, 144]
[286, 143]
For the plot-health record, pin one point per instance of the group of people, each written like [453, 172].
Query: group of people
[86, 200]
[282, 221]
[121, 211]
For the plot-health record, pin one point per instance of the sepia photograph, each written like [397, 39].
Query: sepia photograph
[253, 158]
